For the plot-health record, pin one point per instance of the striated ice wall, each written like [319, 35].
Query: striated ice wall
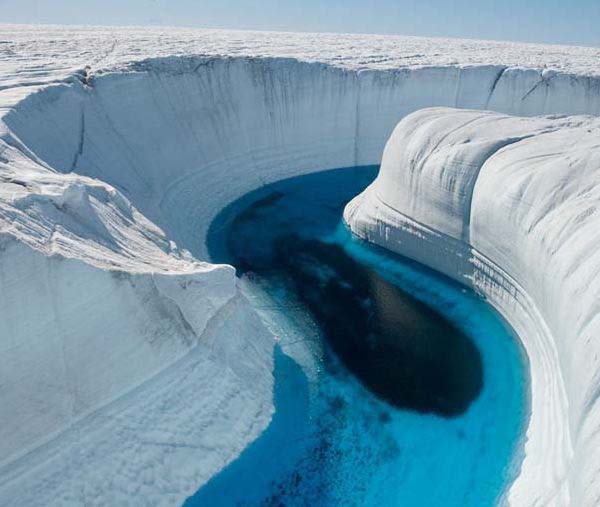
[168, 128]
[108, 186]
[509, 206]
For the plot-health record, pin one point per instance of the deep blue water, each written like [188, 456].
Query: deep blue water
[393, 384]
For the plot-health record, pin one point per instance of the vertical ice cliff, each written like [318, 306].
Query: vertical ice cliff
[509, 205]
[128, 359]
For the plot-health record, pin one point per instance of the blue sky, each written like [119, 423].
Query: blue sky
[554, 21]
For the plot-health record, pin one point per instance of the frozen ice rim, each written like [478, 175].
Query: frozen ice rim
[101, 173]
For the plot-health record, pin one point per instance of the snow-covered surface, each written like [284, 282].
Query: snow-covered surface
[117, 148]
[30, 54]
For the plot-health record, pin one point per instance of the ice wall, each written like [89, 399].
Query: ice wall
[116, 175]
[513, 205]
[166, 131]
[95, 303]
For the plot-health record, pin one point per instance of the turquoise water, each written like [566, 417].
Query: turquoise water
[393, 384]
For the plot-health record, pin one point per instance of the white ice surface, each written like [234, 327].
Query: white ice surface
[117, 148]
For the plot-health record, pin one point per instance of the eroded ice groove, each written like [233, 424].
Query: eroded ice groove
[518, 223]
[388, 377]
[105, 163]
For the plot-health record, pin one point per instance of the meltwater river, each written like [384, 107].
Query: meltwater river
[394, 386]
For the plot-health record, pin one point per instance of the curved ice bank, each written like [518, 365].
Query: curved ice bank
[509, 206]
[101, 175]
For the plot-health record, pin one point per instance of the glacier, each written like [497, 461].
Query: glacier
[118, 148]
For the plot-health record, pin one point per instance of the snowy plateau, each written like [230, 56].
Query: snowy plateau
[132, 370]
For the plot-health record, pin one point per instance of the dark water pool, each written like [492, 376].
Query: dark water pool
[393, 385]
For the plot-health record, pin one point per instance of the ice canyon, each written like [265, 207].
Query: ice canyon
[134, 369]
